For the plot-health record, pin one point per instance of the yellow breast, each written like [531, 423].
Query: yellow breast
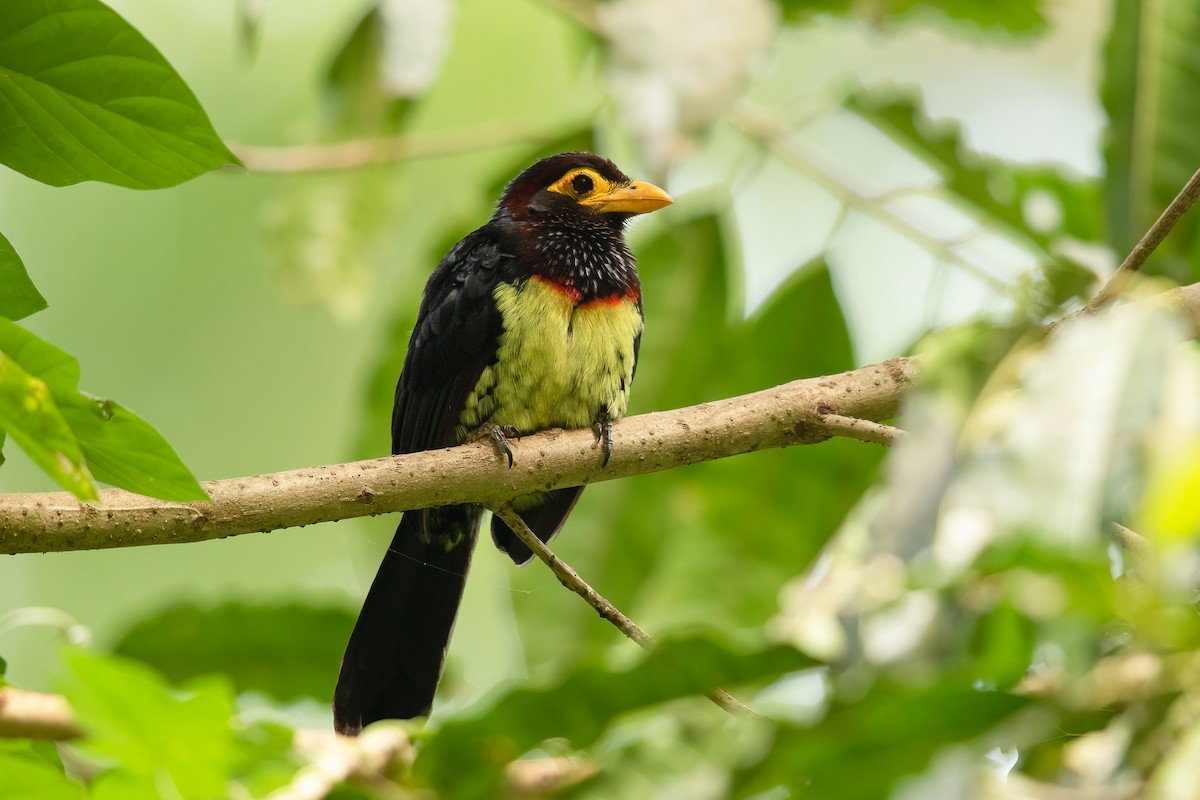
[558, 363]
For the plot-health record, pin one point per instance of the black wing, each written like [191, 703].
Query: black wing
[395, 655]
[452, 342]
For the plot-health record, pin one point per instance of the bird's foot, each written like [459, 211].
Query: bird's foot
[499, 434]
[602, 427]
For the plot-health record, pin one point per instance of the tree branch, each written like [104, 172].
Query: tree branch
[1148, 244]
[1182, 300]
[862, 429]
[801, 412]
[792, 414]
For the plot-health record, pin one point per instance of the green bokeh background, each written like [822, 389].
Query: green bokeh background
[192, 308]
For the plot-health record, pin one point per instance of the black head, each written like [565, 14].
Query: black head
[579, 183]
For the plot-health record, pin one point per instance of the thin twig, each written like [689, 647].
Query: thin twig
[1182, 300]
[357, 153]
[1132, 541]
[863, 429]
[1149, 243]
[570, 579]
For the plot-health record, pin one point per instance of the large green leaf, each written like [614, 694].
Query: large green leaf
[27, 777]
[264, 759]
[84, 96]
[131, 716]
[18, 296]
[283, 650]
[995, 190]
[29, 414]
[120, 784]
[118, 446]
[1151, 92]
[465, 758]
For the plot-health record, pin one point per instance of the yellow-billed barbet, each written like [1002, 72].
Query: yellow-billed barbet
[532, 321]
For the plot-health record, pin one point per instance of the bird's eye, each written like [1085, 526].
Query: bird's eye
[581, 184]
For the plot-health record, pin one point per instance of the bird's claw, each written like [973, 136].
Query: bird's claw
[602, 427]
[499, 434]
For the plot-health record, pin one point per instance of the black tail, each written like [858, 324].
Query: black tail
[544, 519]
[397, 650]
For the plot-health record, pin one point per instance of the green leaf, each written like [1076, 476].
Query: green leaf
[378, 72]
[119, 784]
[84, 96]
[863, 746]
[1007, 16]
[131, 716]
[26, 777]
[1151, 91]
[250, 16]
[35, 750]
[579, 708]
[30, 416]
[18, 296]
[1002, 646]
[125, 450]
[1067, 280]
[283, 650]
[118, 446]
[355, 80]
[996, 190]
[264, 757]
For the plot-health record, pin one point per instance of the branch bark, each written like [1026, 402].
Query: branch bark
[33, 715]
[792, 414]
[1148, 244]
[358, 153]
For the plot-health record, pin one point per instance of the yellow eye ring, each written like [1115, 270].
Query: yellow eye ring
[592, 190]
[581, 182]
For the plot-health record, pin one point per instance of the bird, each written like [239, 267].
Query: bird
[533, 321]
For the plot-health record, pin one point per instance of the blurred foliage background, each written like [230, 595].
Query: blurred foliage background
[854, 177]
